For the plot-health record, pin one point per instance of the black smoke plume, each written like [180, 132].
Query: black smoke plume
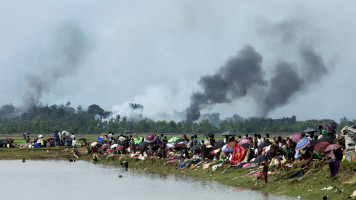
[64, 58]
[287, 81]
[240, 74]
[243, 74]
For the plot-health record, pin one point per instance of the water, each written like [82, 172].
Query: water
[84, 180]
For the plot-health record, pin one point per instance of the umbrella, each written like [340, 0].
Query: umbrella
[82, 139]
[231, 145]
[143, 145]
[263, 145]
[302, 143]
[218, 145]
[327, 139]
[320, 147]
[246, 145]
[196, 147]
[104, 134]
[180, 145]
[296, 137]
[208, 134]
[332, 147]
[243, 141]
[9, 140]
[261, 158]
[105, 146]
[127, 132]
[313, 142]
[310, 130]
[173, 139]
[40, 136]
[119, 147]
[178, 141]
[51, 138]
[228, 133]
[149, 137]
[114, 146]
[100, 140]
[330, 127]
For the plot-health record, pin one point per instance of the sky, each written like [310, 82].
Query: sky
[155, 52]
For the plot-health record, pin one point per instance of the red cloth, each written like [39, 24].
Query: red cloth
[238, 154]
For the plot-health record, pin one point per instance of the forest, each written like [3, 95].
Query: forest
[42, 119]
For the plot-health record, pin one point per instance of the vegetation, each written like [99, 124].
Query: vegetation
[43, 119]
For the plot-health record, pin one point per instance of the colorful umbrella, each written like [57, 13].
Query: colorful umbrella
[173, 139]
[302, 143]
[149, 137]
[9, 139]
[243, 141]
[320, 147]
[296, 137]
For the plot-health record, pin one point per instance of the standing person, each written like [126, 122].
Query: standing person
[56, 138]
[264, 174]
[322, 131]
[203, 150]
[165, 139]
[255, 140]
[212, 141]
[194, 140]
[28, 139]
[163, 149]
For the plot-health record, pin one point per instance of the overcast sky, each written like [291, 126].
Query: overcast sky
[154, 52]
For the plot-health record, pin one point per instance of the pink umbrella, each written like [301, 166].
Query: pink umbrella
[243, 141]
[296, 137]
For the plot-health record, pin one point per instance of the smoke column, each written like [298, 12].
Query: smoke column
[65, 58]
[287, 82]
[243, 74]
[232, 81]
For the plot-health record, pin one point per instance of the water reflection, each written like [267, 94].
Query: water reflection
[83, 180]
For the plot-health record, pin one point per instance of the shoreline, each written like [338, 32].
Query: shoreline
[308, 186]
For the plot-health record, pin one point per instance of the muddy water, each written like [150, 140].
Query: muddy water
[83, 180]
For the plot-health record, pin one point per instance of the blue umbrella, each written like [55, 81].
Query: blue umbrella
[302, 143]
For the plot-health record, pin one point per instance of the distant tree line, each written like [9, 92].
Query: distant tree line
[43, 119]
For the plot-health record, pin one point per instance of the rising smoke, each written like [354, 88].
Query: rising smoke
[243, 74]
[64, 58]
[236, 79]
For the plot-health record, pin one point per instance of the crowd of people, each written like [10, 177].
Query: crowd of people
[248, 151]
